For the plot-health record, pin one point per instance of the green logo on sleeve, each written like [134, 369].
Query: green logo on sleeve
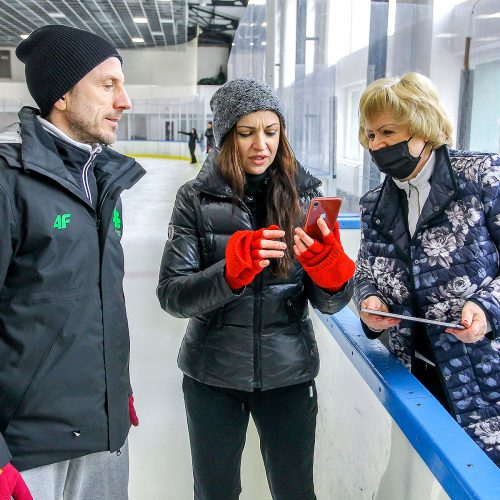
[117, 222]
[62, 221]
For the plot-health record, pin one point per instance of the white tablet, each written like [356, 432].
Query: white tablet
[413, 318]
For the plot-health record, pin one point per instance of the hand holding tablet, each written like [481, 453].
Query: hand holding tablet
[412, 318]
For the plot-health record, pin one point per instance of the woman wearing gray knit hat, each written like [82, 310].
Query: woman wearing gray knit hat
[238, 265]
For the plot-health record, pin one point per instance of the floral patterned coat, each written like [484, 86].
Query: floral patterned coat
[453, 257]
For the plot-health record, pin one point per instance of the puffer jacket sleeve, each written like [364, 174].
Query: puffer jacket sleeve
[364, 282]
[327, 302]
[185, 289]
[7, 237]
[488, 296]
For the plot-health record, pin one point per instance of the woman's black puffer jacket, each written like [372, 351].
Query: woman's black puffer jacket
[261, 337]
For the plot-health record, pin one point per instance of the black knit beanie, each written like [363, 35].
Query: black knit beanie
[237, 98]
[57, 57]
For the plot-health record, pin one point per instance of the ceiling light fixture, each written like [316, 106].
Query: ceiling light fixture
[24, 36]
[56, 15]
[487, 39]
[140, 20]
[138, 40]
[496, 15]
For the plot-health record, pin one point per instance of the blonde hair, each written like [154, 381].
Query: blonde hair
[414, 101]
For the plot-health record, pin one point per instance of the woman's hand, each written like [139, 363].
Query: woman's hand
[324, 261]
[475, 323]
[303, 241]
[248, 253]
[269, 247]
[372, 321]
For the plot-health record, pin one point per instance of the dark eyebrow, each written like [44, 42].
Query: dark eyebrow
[253, 128]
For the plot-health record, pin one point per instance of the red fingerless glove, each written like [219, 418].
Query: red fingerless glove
[12, 484]
[134, 419]
[242, 257]
[326, 262]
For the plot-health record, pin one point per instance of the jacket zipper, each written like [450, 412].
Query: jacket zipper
[410, 188]
[257, 317]
[105, 195]
[85, 177]
[257, 327]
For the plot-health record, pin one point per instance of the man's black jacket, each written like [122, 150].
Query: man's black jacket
[64, 342]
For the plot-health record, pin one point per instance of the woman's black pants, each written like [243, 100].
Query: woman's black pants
[191, 150]
[217, 422]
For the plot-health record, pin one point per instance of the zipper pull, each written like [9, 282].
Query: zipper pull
[409, 189]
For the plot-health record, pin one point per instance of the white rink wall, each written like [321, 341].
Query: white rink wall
[361, 453]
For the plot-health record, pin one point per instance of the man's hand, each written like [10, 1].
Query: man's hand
[475, 322]
[12, 484]
[134, 419]
[372, 321]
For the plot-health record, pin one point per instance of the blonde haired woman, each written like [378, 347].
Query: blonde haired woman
[429, 248]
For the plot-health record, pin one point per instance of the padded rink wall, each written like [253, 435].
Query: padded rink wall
[381, 434]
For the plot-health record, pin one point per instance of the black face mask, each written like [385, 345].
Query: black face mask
[396, 161]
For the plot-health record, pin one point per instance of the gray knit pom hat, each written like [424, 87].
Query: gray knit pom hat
[237, 98]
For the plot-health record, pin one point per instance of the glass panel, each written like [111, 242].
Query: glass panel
[327, 51]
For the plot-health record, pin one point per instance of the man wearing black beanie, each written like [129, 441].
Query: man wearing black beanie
[65, 400]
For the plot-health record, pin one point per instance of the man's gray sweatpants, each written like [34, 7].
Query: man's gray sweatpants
[99, 476]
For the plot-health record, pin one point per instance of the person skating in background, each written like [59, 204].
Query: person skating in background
[209, 134]
[429, 248]
[193, 138]
[238, 265]
[66, 405]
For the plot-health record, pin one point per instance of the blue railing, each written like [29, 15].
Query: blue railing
[349, 221]
[462, 469]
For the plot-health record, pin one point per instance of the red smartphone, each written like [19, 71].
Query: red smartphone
[325, 208]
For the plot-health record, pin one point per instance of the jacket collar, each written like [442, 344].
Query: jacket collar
[443, 191]
[52, 129]
[210, 180]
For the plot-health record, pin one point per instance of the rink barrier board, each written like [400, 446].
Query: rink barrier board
[460, 466]
[158, 157]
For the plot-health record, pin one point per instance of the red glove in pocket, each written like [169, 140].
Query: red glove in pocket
[12, 484]
[134, 419]
[242, 257]
[326, 263]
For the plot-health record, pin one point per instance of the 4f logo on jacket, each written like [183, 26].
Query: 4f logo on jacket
[117, 222]
[62, 221]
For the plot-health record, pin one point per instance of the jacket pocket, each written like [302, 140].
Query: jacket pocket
[31, 362]
[295, 310]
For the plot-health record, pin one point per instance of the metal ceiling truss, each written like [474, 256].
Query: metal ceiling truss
[217, 20]
[166, 20]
